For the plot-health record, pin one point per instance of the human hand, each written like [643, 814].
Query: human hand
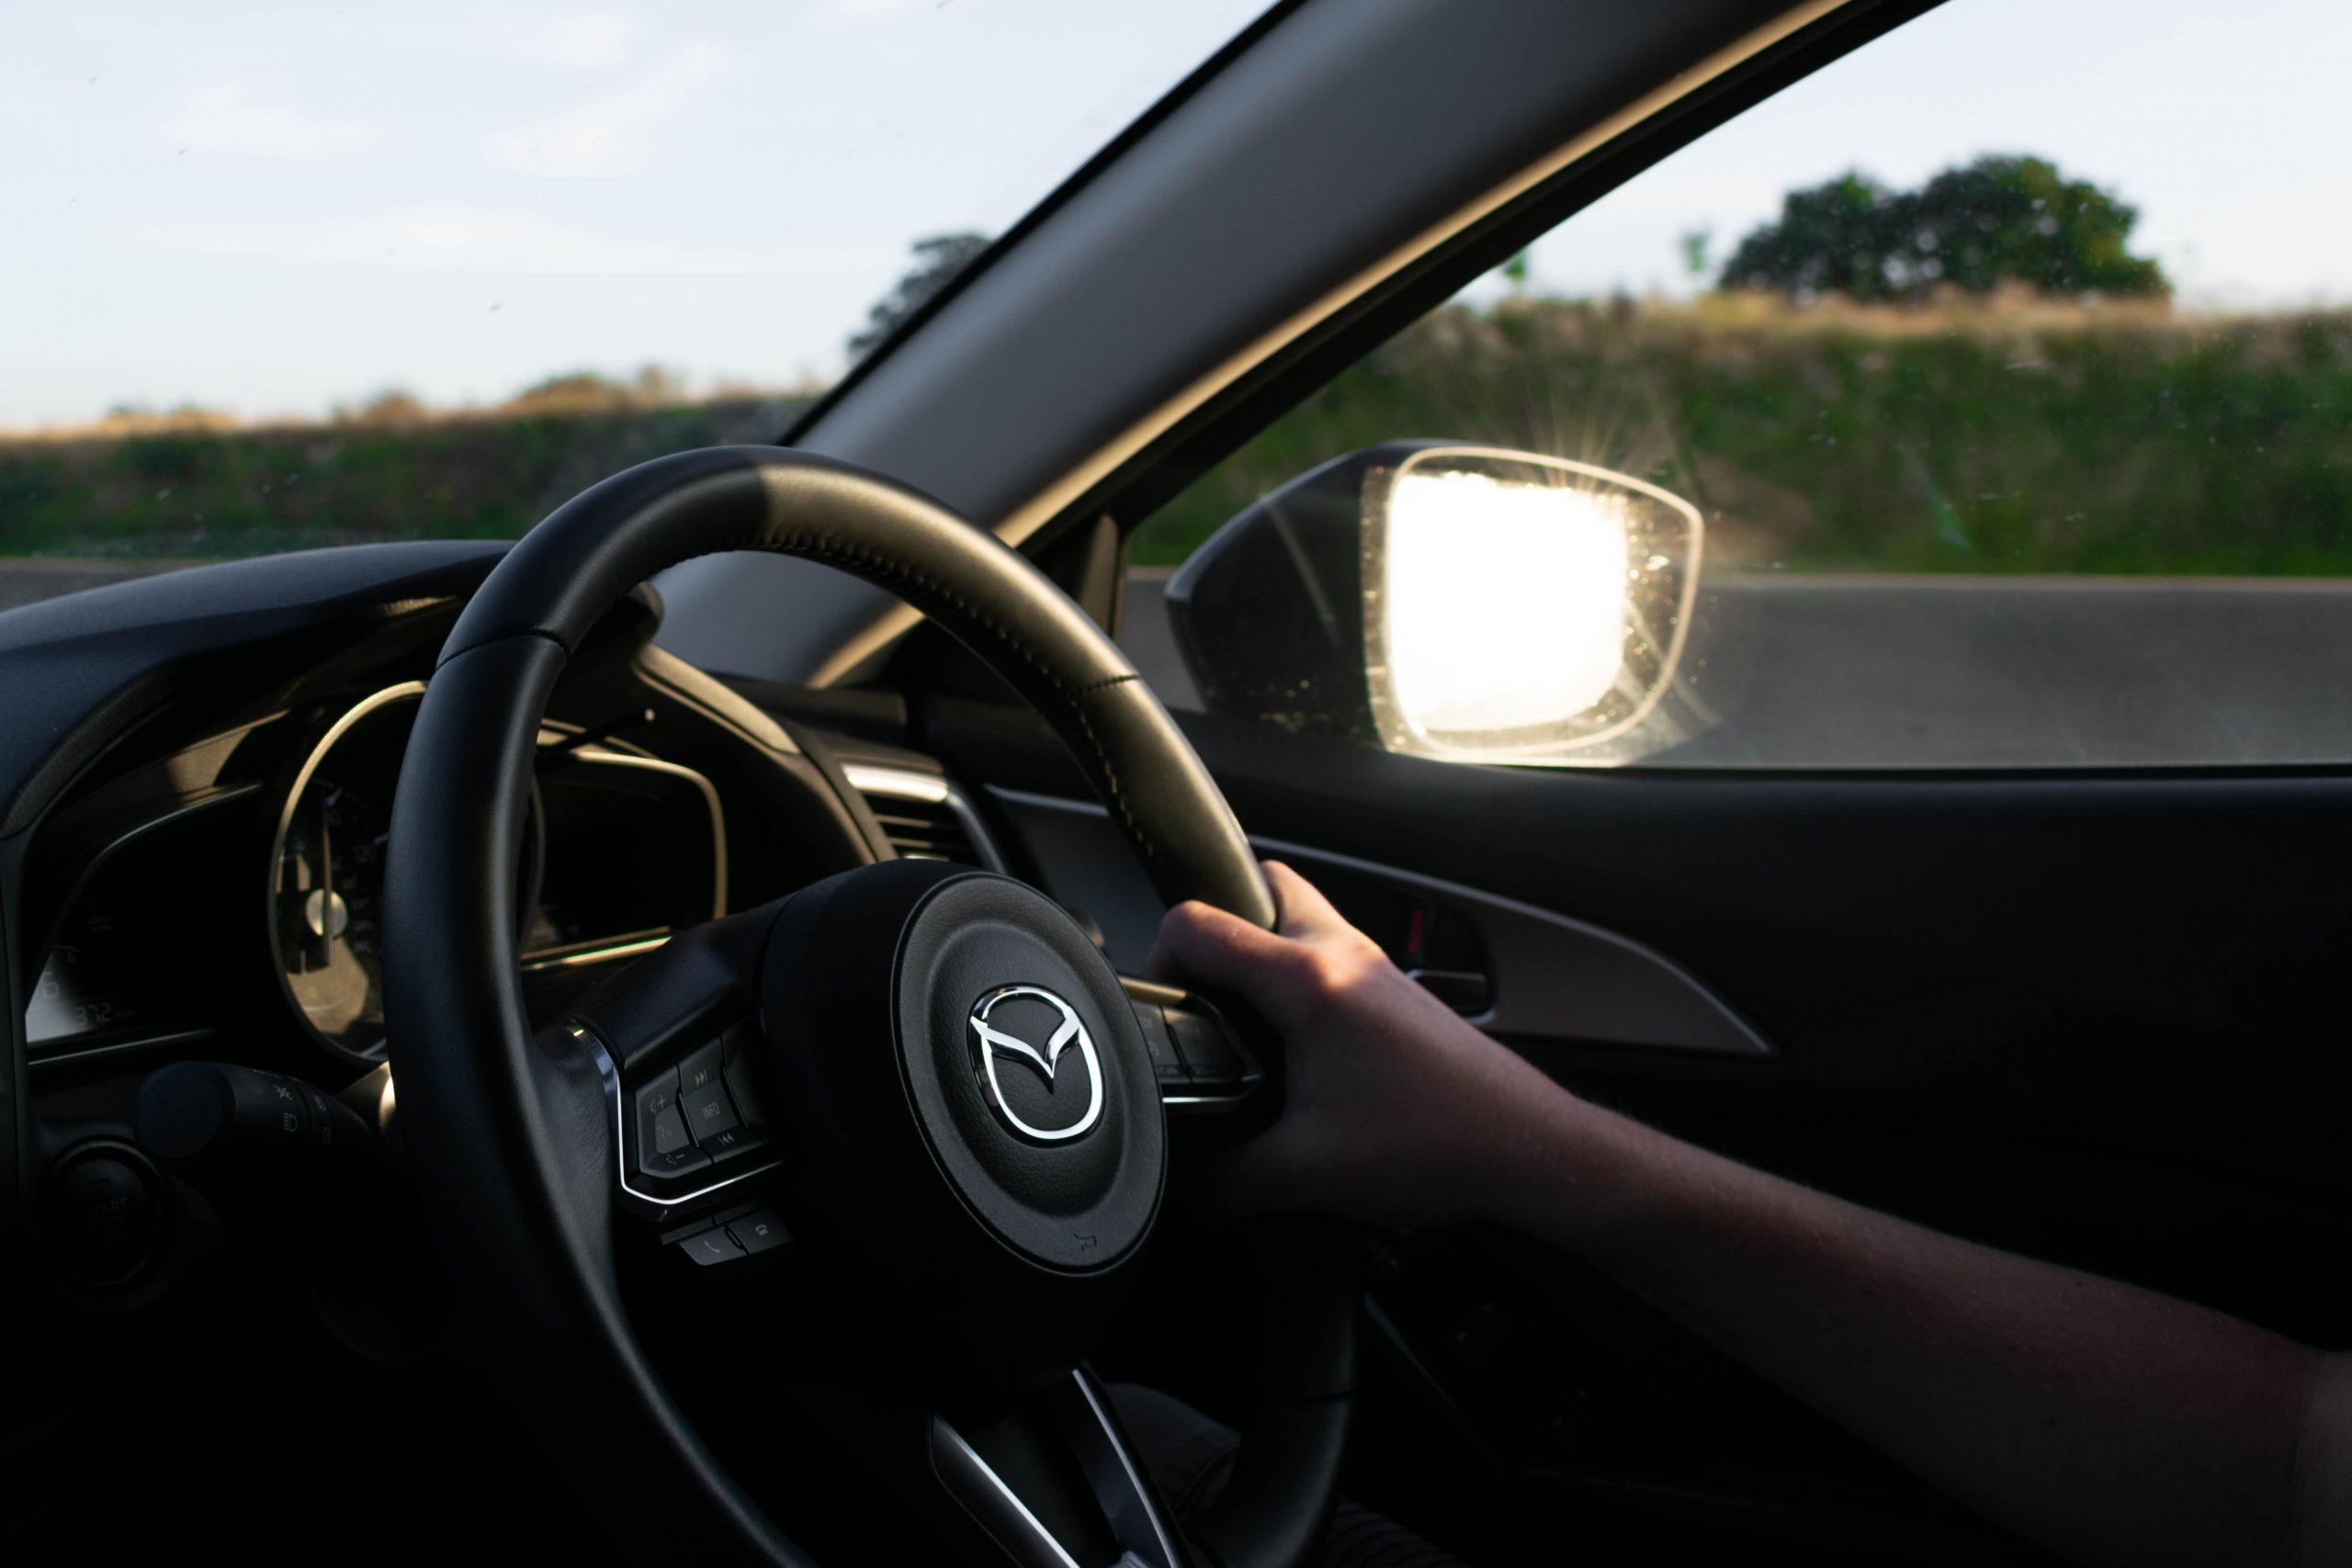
[1397, 1111]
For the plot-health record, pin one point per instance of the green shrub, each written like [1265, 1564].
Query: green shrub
[197, 493]
[2020, 436]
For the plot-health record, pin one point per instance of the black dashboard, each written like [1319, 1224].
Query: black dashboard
[207, 883]
[153, 940]
[195, 800]
[195, 785]
[625, 848]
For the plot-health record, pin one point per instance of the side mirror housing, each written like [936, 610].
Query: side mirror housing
[1445, 600]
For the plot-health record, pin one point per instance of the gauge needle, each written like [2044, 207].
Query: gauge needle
[324, 912]
[326, 850]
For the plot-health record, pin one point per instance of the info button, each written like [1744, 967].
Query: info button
[709, 1111]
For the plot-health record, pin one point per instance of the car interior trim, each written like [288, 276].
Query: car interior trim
[129, 836]
[1137, 1495]
[374, 702]
[600, 950]
[609, 1073]
[995, 1506]
[1104, 158]
[588, 954]
[905, 783]
[598, 756]
[40, 1061]
[1555, 977]
[1073, 485]
[49, 1053]
[1077, 1409]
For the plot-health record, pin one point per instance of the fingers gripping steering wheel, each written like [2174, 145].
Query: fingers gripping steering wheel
[870, 1012]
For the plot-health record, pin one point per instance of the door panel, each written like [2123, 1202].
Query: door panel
[1518, 972]
[2096, 1019]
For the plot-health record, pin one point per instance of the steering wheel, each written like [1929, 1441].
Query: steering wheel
[934, 1071]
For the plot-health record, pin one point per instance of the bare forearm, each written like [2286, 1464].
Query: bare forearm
[2105, 1421]
[2102, 1420]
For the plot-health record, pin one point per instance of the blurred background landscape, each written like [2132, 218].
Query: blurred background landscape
[279, 288]
[2005, 432]
[188, 484]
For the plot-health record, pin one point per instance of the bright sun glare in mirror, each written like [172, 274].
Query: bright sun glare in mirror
[1505, 603]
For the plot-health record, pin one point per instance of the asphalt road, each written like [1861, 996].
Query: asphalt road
[1856, 672]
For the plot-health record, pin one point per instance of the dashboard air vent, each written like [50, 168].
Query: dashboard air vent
[926, 817]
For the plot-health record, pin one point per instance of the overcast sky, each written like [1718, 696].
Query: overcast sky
[2226, 125]
[272, 208]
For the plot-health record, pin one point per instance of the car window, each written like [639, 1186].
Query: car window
[2006, 364]
[279, 279]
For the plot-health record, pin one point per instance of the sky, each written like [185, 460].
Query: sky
[2225, 124]
[273, 210]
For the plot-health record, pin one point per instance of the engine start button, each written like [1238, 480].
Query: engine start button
[102, 1214]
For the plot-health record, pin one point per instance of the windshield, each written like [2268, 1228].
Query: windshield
[279, 278]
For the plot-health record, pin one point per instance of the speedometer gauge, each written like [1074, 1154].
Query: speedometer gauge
[326, 884]
[326, 873]
[329, 891]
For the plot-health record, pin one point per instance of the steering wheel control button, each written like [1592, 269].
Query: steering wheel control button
[1166, 1064]
[669, 1133]
[659, 1095]
[1209, 1053]
[760, 1231]
[701, 1067]
[707, 1109]
[729, 1145]
[659, 1126]
[674, 1162]
[741, 1072]
[702, 1092]
[713, 1246]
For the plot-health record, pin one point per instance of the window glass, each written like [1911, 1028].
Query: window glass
[2008, 364]
[285, 276]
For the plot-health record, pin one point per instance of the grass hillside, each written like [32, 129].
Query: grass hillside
[2013, 433]
[2008, 435]
[188, 487]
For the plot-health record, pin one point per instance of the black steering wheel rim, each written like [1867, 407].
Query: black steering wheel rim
[511, 1148]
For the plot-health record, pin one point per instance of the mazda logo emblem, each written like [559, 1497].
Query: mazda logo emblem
[990, 1044]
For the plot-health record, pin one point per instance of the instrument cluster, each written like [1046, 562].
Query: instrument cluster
[169, 919]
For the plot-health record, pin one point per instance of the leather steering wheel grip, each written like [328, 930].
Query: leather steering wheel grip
[510, 1145]
[578, 563]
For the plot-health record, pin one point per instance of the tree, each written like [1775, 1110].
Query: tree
[393, 406]
[1999, 220]
[574, 391]
[937, 261]
[658, 386]
[1697, 243]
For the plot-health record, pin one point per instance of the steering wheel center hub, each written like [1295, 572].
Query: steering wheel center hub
[971, 1093]
[994, 1038]
[1023, 1067]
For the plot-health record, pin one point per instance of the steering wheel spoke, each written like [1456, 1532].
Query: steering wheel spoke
[976, 1109]
[1056, 1484]
[1208, 1054]
[675, 1039]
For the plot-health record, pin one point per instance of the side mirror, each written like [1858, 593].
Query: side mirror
[1445, 601]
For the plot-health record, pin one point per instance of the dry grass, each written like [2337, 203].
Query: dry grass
[2005, 432]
